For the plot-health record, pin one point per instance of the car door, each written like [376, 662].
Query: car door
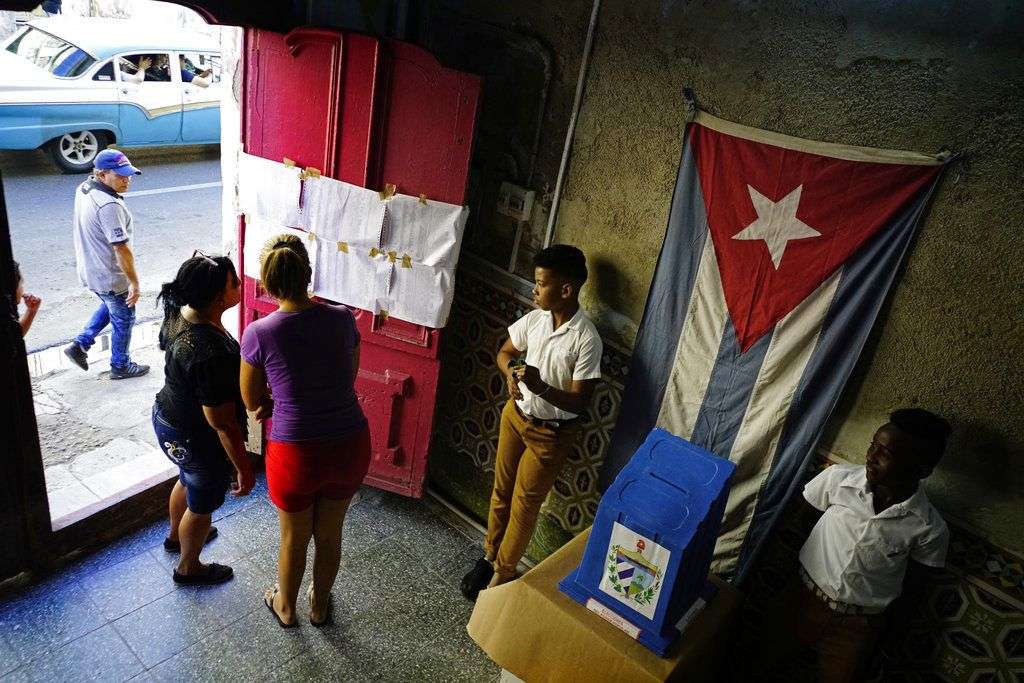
[200, 73]
[149, 112]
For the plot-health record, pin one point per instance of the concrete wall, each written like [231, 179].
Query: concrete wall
[916, 75]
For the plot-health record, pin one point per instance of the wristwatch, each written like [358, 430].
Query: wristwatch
[516, 363]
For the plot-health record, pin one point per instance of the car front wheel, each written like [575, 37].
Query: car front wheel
[75, 152]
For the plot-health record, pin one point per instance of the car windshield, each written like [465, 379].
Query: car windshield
[50, 53]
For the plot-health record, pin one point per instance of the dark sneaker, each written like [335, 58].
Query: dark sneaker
[213, 574]
[128, 371]
[477, 579]
[77, 355]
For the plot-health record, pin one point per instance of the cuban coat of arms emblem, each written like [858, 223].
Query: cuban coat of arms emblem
[634, 569]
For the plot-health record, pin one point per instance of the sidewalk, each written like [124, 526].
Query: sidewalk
[95, 434]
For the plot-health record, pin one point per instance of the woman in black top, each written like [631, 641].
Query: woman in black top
[198, 416]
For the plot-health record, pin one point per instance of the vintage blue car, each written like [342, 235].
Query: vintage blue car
[74, 86]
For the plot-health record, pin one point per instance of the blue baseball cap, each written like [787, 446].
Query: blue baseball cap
[115, 160]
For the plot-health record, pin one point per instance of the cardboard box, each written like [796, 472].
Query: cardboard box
[532, 630]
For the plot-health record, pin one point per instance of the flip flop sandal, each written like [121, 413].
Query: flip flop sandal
[327, 620]
[268, 600]
[215, 573]
[175, 546]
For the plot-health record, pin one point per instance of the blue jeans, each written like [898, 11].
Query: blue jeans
[121, 317]
[203, 468]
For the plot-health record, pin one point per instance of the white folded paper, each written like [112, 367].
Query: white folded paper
[421, 294]
[430, 232]
[257, 232]
[269, 190]
[340, 211]
[353, 279]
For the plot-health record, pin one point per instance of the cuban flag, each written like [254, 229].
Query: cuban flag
[778, 256]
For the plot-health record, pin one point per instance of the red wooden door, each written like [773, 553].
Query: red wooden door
[368, 113]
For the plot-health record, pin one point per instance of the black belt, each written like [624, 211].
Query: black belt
[551, 424]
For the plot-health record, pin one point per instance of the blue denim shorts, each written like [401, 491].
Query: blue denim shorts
[204, 469]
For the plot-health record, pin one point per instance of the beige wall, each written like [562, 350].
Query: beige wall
[919, 77]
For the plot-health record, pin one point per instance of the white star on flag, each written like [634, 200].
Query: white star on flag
[776, 223]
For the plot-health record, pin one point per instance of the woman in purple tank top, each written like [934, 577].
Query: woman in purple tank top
[306, 355]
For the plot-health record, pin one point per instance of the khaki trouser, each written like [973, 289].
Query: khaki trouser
[797, 618]
[529, 459]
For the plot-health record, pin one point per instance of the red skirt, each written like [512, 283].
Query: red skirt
[300, 472]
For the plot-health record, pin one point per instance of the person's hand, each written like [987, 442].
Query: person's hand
[530, 377]
[206, 74]
[133, 294]
[244, 479]
[145, 63]
[265, 409]
[513, 387]
[32, 302]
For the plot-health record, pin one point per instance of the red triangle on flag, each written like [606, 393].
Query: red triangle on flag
[783, 221]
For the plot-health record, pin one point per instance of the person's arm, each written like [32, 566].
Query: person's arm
[224, 420]
[201, 81]
[32, 303]
[586, 375]
[253, 384]
[126, 261]
[506, 354]
[575, 399]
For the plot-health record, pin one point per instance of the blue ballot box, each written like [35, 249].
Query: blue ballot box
[647, 559]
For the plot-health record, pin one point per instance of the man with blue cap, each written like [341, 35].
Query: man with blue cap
[106, 265]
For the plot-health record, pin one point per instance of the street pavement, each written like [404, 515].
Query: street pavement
[95, 434]
[171, 220]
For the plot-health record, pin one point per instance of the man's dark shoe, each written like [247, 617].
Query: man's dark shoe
[77, 355]
[128, 371]
[477, 579]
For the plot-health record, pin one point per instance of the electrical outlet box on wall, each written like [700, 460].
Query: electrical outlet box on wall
[515, 202]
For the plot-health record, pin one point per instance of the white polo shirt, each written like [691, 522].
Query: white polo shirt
[572, 352]
[858, 557]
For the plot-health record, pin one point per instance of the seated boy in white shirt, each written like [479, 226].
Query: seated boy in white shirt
[876, 521]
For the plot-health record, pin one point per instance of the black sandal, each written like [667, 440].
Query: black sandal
[214, 574]
[268, 600]
[175, 546]
[329, 618]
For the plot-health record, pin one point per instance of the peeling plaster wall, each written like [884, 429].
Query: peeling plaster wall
[914, 75]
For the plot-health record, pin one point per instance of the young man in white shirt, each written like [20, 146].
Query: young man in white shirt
[541, 421]
[877, 521]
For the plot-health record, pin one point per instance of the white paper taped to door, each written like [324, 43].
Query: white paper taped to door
[430, 232]
[269, 190]
[257, 232]
[340, 211]
[421, 294]
[353, 279]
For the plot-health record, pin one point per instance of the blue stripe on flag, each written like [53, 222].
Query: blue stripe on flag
[664, 313]
[864, 284]
[728, 392]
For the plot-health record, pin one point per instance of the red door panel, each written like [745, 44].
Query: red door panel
[368, 115]
[427, 119]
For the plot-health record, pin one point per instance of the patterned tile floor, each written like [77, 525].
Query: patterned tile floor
[116, 615]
